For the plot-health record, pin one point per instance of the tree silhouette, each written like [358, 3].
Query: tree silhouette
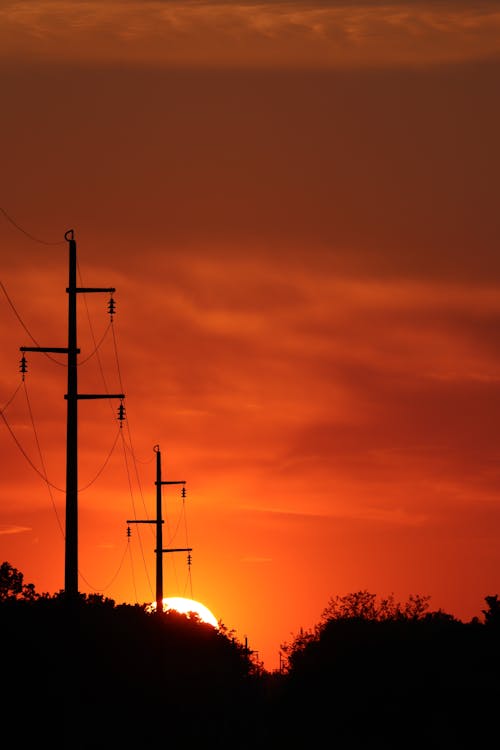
[376, 668]
[373, 671]
[123, 667]
[12, 586]
[364, 605]
[492, 614]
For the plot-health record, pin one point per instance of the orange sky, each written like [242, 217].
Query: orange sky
[298, 206]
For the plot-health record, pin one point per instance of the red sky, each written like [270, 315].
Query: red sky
[298, 206]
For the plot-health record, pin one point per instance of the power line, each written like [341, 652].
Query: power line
[28, 459]
[97, 346]
[115, 575]
[81, 489]
[63, 364]
[134, 512]
[11, 399]
[43, 474]
[40, 454]
[28, 234]
[126, 447]
[129, 547]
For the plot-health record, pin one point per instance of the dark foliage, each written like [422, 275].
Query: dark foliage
[393, 674]
[93, 674]
[12, 584]
[372, 673]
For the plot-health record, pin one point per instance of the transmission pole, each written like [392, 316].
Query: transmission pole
[72, 397]
[159, 551]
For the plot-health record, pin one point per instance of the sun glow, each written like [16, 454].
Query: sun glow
[185, 606]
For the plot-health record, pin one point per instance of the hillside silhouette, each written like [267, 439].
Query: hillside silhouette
[373, 672]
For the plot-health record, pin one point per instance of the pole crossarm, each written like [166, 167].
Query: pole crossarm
[155, 521]
[51, 349]
[85, 289]
[183, 481]
[178, 549]
[97, 395]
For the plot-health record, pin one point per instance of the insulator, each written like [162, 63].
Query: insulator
[129, 531]
[189, 558]
[121, 413]
[111, 307]
[23, 365]
[183, 492]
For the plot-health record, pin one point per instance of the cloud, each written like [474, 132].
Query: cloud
[352, 511]
[318, 34]
[9, 529]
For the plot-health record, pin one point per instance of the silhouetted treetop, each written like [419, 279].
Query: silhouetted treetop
[12, 586]
[365, 606]
[492, 614]
[359, 627]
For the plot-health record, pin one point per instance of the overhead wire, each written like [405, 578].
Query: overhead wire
[134, 462]
[11, 399]
[96, 352]
[126, 447]
[132, 452]
[40, 454]
[28, 234]
[135, 513]
[101, 370]
[97, 346]
[171, 538]
[136, 470]
[113, 579]
[117, 360]
[187, 545]
[26, 456]
[134, 455]
[43, 474]
[174, 533]
[106, 461]
[47, 354]
[189, 583]
[132, 570]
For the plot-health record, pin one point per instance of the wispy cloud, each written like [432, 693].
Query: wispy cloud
[7, 529]
[357, 512]
[318, 34]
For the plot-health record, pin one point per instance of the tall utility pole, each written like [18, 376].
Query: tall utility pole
[159, 551]
[72, 397]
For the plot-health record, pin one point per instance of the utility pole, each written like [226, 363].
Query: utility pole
[72, 397]
[282, 663]
[159, 551]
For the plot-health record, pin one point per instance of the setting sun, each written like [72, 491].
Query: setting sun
[185, 606]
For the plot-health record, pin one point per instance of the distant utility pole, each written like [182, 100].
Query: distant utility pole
[282, 663]
[72, 397]
[159, 551]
